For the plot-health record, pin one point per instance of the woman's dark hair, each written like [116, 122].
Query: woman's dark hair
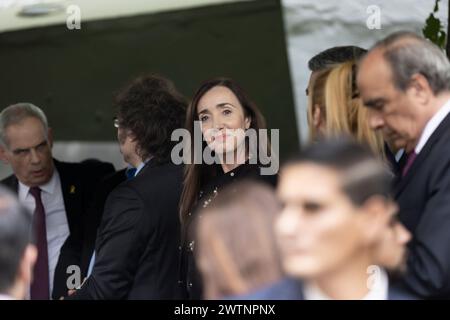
[151, 108]
[198, 174]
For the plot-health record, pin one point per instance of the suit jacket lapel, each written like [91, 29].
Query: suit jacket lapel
[71, 193]
[149, 164]
[440, 131]
[70, 189]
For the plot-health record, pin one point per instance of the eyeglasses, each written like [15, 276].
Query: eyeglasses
[116, 122]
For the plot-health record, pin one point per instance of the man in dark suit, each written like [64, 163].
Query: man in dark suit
[58, 193]
[136, 252]
[405, 80]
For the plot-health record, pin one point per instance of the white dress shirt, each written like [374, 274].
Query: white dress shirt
[55, 218]
[379, 290]
[432, 125]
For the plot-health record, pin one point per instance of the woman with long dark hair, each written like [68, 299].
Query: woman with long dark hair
[224, 114]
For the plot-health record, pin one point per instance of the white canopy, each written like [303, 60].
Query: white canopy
[90, 10]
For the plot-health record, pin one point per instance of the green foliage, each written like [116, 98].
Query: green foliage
[434, 30]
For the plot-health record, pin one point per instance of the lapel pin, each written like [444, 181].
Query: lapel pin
[72, 189]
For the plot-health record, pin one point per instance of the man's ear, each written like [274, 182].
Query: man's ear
[421, 89]
[374, 217]
[317, 116]
[50, 137]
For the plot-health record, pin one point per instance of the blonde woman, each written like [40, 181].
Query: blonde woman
[335, 108]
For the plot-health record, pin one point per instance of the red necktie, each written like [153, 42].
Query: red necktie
[40, 287]
[409, 161]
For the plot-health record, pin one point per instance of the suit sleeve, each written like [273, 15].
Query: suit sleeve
[428, 267]
[93, 216]
[119, 245]
[70, 254]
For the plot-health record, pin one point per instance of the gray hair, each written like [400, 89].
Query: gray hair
[408, 53]
[15, 235]
[15, 114]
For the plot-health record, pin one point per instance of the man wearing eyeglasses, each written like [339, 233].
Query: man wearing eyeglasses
[108, 184]
[136, 249]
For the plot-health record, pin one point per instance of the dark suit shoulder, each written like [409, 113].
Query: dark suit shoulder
[94, 164]
[397, 292]
[162, 183]
[90, 166]
[115, 177]
[159, 177]
[10, 182]
[87, 173]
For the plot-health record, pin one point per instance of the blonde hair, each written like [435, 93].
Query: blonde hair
[342, 108]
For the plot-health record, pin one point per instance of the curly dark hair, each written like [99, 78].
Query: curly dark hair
[151, 108]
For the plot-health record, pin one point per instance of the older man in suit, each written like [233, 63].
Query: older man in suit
[58, 193]
[405, 80]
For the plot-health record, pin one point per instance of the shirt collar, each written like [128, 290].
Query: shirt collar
[432, 125]
[378, 290]
[141, 165]
[139, 168]
[49, 187]
[6, 297]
